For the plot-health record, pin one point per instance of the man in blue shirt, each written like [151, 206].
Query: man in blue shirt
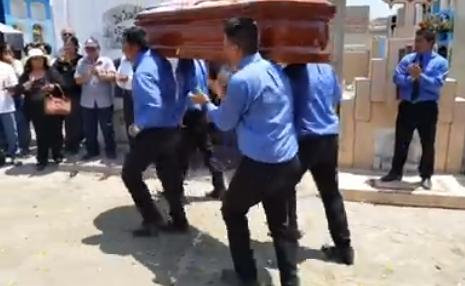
[192, 77]
[419, 78]
[157, 113]
[317, 93]
[258, 104]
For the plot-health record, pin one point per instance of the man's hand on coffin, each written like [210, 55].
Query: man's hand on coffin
[133, 130]
[414, 70]
[199, 98]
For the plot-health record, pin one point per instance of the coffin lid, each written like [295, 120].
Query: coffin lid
[179, 5]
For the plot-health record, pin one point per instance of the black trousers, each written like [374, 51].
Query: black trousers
[128, 113]
[196, 137]
[49, 133]
[156, 146]
[423, 117]
[319, 155]
[273, 185]
[74, 129]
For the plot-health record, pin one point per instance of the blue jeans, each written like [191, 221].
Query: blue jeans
[9, 133]
[24, 131]
[92, 119]
[23, 124]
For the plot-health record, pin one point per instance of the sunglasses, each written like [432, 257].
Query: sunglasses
[67, 34]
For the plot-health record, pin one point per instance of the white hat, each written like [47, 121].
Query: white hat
[35, 52]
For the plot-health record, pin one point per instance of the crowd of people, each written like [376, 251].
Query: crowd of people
[87, 81]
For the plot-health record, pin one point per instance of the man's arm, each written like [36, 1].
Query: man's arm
[337, 96]
[11, 81]
[228, 114]
[80, 75]
[401, 76]
[146, 86]
[109, 71]
[434, 79]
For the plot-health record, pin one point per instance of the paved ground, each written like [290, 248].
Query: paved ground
[58, 230]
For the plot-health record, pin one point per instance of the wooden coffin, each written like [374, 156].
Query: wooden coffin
[291, 31]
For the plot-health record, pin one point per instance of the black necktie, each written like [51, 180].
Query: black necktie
[416, 83]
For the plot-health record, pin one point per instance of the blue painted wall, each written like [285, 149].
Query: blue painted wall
[33, 17]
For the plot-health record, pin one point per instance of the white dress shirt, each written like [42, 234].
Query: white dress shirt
[8, 78]
[125, 68]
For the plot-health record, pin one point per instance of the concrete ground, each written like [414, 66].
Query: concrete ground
[62, 230]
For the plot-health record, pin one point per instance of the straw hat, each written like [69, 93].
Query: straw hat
[35, 52]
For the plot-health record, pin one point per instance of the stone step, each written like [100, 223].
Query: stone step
[363, 186]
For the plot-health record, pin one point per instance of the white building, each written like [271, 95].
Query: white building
[103, 20]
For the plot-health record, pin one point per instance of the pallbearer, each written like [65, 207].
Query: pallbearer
[191, 77]
[258, 105]
[316, 95]
[156, 133]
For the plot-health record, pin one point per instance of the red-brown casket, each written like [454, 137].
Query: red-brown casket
[291, 31]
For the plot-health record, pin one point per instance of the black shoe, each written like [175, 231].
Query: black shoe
[24, 153]
[15, 162]
[342, 255]
[174, 227]
[426, 184]
[230, 277]
[216, 194]
[58, 160]
[40, 166]
[89, 156]
[391, 177]
[147, 230]
[2, 161]
[111, 155]
[72, 151]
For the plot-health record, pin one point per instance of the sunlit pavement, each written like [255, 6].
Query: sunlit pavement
[62, 230]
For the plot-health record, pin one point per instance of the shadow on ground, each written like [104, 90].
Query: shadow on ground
[196, 258]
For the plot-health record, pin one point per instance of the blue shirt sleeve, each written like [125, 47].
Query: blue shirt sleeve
[401, 77]
[228, 114]
[146, 87]
[337, 90]
[434, 79]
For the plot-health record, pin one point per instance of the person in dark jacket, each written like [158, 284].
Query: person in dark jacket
[36, 83]
[66, 67]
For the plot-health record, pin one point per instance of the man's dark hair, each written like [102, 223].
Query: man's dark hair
[242, 32]
[32, 46]
[429, 35]
[135, 36]
[73, 40]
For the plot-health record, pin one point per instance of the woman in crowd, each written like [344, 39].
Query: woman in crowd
[66, 66]
[37, 82]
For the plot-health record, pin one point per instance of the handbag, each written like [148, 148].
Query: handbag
[57, 105]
